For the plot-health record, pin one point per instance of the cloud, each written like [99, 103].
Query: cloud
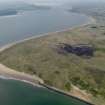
[50, 1]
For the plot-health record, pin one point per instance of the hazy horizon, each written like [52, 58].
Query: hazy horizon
[51, 1]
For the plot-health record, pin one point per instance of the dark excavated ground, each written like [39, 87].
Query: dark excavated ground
[79, 49]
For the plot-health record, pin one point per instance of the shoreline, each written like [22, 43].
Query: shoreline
[23, 81]
[9, 45]
[34, 80]
[19, 13]
[64, 93]
[10, 74]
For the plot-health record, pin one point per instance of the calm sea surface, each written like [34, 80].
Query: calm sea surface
[28, 24]
[33, 23]
[18, 93]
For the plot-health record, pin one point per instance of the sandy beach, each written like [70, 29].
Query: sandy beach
[8, 73]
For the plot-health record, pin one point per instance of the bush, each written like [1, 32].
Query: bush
[48, 82]
[68, 86]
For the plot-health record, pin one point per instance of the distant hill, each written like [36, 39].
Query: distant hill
[15, 7]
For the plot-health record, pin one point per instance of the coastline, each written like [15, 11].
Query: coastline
[91, 21]
[64, 93]
[19, 13]
[24, 77]
[7, 73]
[8, 16]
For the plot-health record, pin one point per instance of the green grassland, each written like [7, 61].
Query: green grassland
[40, 57]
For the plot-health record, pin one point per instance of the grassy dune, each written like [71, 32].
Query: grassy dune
[40, 57]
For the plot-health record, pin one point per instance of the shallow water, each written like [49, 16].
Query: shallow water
[18, 93]
[33, 23]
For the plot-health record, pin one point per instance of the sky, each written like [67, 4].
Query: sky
[50, 1]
